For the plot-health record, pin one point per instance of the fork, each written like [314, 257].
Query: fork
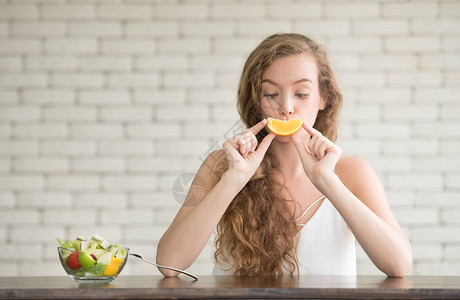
[164, 267]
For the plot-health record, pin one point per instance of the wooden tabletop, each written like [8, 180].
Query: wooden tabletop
[265, 287]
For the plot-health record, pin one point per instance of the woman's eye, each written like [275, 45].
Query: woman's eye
[270, 96]
[302, 96]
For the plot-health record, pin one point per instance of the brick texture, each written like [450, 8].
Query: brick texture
[104, 104]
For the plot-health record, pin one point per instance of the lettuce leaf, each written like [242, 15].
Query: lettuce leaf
[121, 253]
[96, 269]
[67, 244]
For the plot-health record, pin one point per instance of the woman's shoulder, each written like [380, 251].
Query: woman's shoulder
[353, 171]
[348, 163]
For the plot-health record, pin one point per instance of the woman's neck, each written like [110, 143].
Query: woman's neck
[288, 157]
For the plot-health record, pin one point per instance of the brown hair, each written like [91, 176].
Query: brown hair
[257, 233]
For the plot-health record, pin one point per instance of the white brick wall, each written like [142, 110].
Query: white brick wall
[103, 104]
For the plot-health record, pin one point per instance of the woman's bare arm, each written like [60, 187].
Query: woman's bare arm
[193, 225]
[359, 197]
[356, 192]
[191, 229]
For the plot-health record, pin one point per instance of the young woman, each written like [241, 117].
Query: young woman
[287, 204]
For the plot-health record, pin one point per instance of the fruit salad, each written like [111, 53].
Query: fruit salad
[93, 258]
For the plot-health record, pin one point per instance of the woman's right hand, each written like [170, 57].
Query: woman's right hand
[242, 153]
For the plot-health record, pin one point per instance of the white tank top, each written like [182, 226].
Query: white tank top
[326, 244]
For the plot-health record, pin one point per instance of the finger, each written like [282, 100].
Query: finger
[332, 156]
[249, 140]
[301, 149]
[325, 148]
[312, 131]
[265, 143]
[231, 153]
[322, 149]
[311, 145]
[249, 143]
[246, 140]
[258, 127]
[253, 143]
[241, 148]
[315, 144]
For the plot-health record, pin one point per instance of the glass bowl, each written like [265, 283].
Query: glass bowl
[81, 275]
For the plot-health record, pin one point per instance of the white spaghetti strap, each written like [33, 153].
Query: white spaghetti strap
[308, 209]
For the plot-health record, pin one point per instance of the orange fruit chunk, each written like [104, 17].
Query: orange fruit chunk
[280, 127]
[115, 260]
[112, 269]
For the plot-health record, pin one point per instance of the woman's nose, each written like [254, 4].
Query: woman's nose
[286, 108]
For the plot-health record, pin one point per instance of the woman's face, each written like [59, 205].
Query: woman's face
[290, 89]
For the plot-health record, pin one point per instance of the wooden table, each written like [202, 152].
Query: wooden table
[330, 287]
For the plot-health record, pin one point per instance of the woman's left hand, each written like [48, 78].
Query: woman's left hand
[319, 157]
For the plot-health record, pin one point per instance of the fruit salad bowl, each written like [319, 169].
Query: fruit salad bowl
[93, 262]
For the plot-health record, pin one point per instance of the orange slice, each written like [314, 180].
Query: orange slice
[111, 270]
[280, 127]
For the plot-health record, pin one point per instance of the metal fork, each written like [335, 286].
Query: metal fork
[164, 267]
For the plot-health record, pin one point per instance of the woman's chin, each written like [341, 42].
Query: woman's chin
[283, 139]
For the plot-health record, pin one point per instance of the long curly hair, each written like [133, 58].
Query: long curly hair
[257, 235]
